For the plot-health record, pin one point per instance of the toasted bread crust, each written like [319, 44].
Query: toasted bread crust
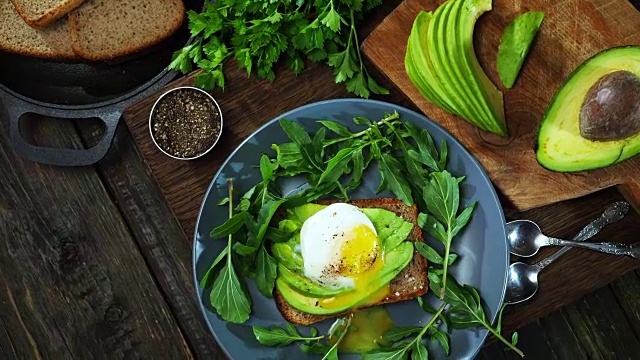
[49, 16]
[16, 36]
[78, 22]
[410, 283]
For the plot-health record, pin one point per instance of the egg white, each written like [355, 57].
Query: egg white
[321, 239]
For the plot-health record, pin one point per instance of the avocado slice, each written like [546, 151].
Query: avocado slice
[515, 44]
[392, 229]
[441, 62]
[436, 52]
[415, 59]
[305, 285]
[454, 42]
[489, 93]
[561, 146]
[395, 260]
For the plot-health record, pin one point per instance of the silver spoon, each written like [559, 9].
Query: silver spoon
[522, 281]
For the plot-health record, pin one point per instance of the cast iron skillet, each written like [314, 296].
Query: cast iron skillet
[83, 90]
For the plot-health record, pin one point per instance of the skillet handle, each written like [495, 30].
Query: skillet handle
[56, 156]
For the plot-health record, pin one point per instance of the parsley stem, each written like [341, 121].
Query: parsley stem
[355, 37]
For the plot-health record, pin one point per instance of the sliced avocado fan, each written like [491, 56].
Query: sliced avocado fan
[442, 64]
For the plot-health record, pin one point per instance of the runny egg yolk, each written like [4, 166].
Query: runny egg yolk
[362, 260]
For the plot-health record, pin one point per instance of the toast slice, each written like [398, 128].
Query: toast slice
[16, 36]
[42, 13]
[410, 283]
[106, 29]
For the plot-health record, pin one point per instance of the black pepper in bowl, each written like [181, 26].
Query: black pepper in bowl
[185, 123]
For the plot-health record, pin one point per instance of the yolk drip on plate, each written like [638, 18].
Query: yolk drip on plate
[362, 260]
[366, 329]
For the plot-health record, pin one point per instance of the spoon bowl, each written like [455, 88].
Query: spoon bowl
[522, 282]
[525, 238]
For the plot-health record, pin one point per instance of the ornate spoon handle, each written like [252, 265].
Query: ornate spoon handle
[611, 214]
[632, 250]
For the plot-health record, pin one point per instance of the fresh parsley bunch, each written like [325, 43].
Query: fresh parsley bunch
[258, 34]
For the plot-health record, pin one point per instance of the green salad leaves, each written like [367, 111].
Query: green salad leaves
[332, 162]
[259, 34]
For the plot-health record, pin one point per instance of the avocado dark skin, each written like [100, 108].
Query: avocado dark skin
[611, 108]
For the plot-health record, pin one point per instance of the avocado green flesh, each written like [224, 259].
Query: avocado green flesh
[303, 285]
[418, 58]
[451, 76]
[395, 260]
[488, 91]
[472, 81]
[303, 293]
[560, 146]
[421, 60]
[436, 52]
[449, 45]
[515, 44]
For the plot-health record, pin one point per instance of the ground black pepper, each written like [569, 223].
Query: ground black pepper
[185, 123]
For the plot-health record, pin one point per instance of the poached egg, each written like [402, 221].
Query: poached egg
[340, 247]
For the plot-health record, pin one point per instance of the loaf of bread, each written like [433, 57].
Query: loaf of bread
[17, 36]
[105, 29]
[42, 13]
[410, 283]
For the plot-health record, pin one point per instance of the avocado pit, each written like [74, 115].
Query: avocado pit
[611, 108]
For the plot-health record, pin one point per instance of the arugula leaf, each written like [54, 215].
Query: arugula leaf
[394, 354]
[419, 352]
[399, 333]
[336, 127]
[229, 296]
[230, 226]
[429, 253]
[443, 339]
[335, 167]
[301, 138]
[266, 272]
[275, 336]
[206, 279]
[390, 172]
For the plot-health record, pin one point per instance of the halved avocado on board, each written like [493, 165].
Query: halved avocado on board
[593, 120]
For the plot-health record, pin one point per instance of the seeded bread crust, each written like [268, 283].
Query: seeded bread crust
[106, 29]
[410, 283]
[16, 36]
[42, 13]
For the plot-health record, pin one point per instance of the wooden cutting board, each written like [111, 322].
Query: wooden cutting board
[571, 32]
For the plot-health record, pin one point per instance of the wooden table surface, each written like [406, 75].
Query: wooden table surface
[93, 263]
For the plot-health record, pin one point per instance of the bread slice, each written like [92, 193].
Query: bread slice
[410, 283]
[106, 29]
[42, 13]
[17, 36]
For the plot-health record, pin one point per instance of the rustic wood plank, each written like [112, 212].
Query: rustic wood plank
[74, 284]
[560, 335]
[160, 238]
[532, 340]
[626, 291]
[602, 328]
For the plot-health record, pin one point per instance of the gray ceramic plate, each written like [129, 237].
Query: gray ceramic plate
[482, 246]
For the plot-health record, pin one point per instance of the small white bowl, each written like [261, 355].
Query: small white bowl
[153, 109]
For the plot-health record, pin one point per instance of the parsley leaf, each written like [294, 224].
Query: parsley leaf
[258, 34]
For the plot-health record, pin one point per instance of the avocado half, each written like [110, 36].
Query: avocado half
[593, 120]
